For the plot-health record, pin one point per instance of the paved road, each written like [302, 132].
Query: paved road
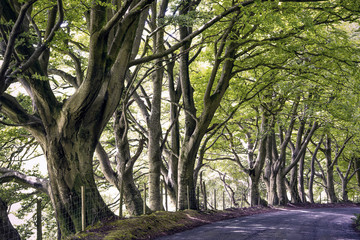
[306, 224]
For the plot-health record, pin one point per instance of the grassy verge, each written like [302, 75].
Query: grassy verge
[356, 220]
[164, 223]
[160, 223]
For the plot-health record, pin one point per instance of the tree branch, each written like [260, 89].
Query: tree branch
[9, 175]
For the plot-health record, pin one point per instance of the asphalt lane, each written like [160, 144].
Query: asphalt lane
[304, 224]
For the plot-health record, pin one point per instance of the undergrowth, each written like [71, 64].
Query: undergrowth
[356, 220]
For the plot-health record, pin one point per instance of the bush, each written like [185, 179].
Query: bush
[356, 220]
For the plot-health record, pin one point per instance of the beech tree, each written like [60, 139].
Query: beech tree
[68, 129]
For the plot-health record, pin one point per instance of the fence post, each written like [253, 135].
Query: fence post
[38, 220]
[144, 207]
[161, 195]
[198, 197]
[223, 200]
[188, 196]
[121, 199]
[214, 198]
[205, 196]
[83, 207]
[241, 198]
[166, 199]
[176, 204]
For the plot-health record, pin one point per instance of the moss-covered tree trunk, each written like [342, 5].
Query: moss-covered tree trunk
[69, 159]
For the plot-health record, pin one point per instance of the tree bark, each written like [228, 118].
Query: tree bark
[357, 166]
[301, 186]
[257, 168]
[7, 231]
[312, 174]
[70, 168]
[330, 188]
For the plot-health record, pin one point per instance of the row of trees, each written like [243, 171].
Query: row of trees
[170, 89]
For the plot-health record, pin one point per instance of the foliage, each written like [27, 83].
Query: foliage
[356, 220]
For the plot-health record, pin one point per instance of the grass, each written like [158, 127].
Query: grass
[164, 223]
[159, 224]
[356, 220]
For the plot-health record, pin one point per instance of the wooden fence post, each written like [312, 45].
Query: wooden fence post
[205, 196]
[144, 207]
[188, 196]
[198, 197]
[166, 199]
[214, 198]
[223, 200]
[176, 204]
[38, 220]
[161, 195]
[121, 199]
[83, 209]
[241, 198]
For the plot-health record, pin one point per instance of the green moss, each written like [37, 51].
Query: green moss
[144, 226]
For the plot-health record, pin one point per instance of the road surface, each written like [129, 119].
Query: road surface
[306, 224]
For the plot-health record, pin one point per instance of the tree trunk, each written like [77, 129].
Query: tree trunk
[273, 198]
[7, 231]
[186, 175]
[330, 188]
[70, 168]
[154, 124]
[293, 185]
[257, 168]
[312, 174]
[254, 190]
[175, 95]
[132, 196]
[301, 188]
[281, 188]
[330, 184]
[344, 191]
[357, 166]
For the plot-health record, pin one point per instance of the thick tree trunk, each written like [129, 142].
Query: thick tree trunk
[330, 188]
[357, 166]
[7, 231]
[154, 124]
[301, 187]
[312, 173]
[330, 185]
[70, 168]
[281, 188]
[257, 168]
[345, 196]
[293, 185]
[273, 198]
[186, 175]
[254, 190]
[132, 196]
[175, 95]
[124, 166]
